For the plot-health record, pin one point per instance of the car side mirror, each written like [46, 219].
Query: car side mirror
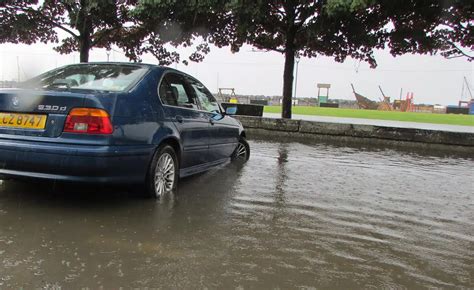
[231, 110]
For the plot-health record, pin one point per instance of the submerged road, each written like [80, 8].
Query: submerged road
[383, 123]
[296, 215]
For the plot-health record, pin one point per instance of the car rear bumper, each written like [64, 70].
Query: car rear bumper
[76, 163]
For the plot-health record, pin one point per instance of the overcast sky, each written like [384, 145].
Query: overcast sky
[432, 79]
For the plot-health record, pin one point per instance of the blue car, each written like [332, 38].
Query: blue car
[116, 122]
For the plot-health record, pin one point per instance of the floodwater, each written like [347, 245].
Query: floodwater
[382, 123]
[296, 215]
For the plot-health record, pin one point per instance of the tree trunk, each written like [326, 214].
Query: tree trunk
[84, 48]
[84, 25]
[290, 51]
[288, 82]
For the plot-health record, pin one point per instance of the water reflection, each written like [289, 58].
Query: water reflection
[281, 175]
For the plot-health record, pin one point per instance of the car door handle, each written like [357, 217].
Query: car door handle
[211, 121]
[179, 119]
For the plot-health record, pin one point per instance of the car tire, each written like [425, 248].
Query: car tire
[242, 152]
[163, 172]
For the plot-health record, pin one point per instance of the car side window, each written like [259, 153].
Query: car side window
[173, 92]
[206, 99]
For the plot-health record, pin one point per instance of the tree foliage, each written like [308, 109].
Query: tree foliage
[423, 27]
[94, 23]
[87, 23]
[180, 23]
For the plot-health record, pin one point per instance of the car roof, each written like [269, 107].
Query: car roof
[147, 65]
[156, 67]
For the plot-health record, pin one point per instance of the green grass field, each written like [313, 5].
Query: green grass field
[450, 119]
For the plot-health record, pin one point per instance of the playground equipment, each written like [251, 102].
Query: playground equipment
[466, 90]
[227, 99]
[410, 105]
[363, 102]
[406, 105]
[384, 104]
[322, 99]
[469, 103]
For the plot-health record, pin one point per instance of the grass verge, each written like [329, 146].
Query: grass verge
[449, 119]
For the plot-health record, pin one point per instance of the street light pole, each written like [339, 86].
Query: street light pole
[18, 68]
[296, 75]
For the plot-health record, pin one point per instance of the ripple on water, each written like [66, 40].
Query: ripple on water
[404, 211]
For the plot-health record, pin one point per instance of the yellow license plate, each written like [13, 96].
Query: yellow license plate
[26, 121]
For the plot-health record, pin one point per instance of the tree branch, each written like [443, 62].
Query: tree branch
[41, 16]
[280, 50]
[63, 28]
[460, 51]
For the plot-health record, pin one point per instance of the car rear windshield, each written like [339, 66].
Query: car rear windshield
[101, 77]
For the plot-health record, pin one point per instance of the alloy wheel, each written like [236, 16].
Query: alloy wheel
[241, 152]
[164, 174]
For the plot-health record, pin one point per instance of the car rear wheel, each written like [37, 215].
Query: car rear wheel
[163, 173]
[242, 152]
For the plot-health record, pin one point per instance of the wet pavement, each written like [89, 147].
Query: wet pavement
[382, 123]
[296, 215]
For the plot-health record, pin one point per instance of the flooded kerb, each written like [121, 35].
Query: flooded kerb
[363, 143]
[427, 139]
[298, 214]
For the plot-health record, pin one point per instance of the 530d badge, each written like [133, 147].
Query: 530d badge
[51, 108]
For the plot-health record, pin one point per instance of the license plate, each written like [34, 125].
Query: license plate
[25, 121]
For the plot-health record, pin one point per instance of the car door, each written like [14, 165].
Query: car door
[181, 108]
[224, 133]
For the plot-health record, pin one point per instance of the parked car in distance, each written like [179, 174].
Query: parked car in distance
[116, 122]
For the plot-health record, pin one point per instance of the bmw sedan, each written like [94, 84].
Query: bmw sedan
[115, 122]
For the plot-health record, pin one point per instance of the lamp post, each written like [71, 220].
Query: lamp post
[297, 59]
[18, 68]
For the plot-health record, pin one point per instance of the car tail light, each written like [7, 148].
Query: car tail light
[88, 121]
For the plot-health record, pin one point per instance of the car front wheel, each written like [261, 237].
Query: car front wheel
[242, 152]
[163, 173]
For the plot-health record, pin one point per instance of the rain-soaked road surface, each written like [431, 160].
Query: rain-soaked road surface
[295, 215]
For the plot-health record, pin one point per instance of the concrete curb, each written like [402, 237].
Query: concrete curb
[359, 131]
